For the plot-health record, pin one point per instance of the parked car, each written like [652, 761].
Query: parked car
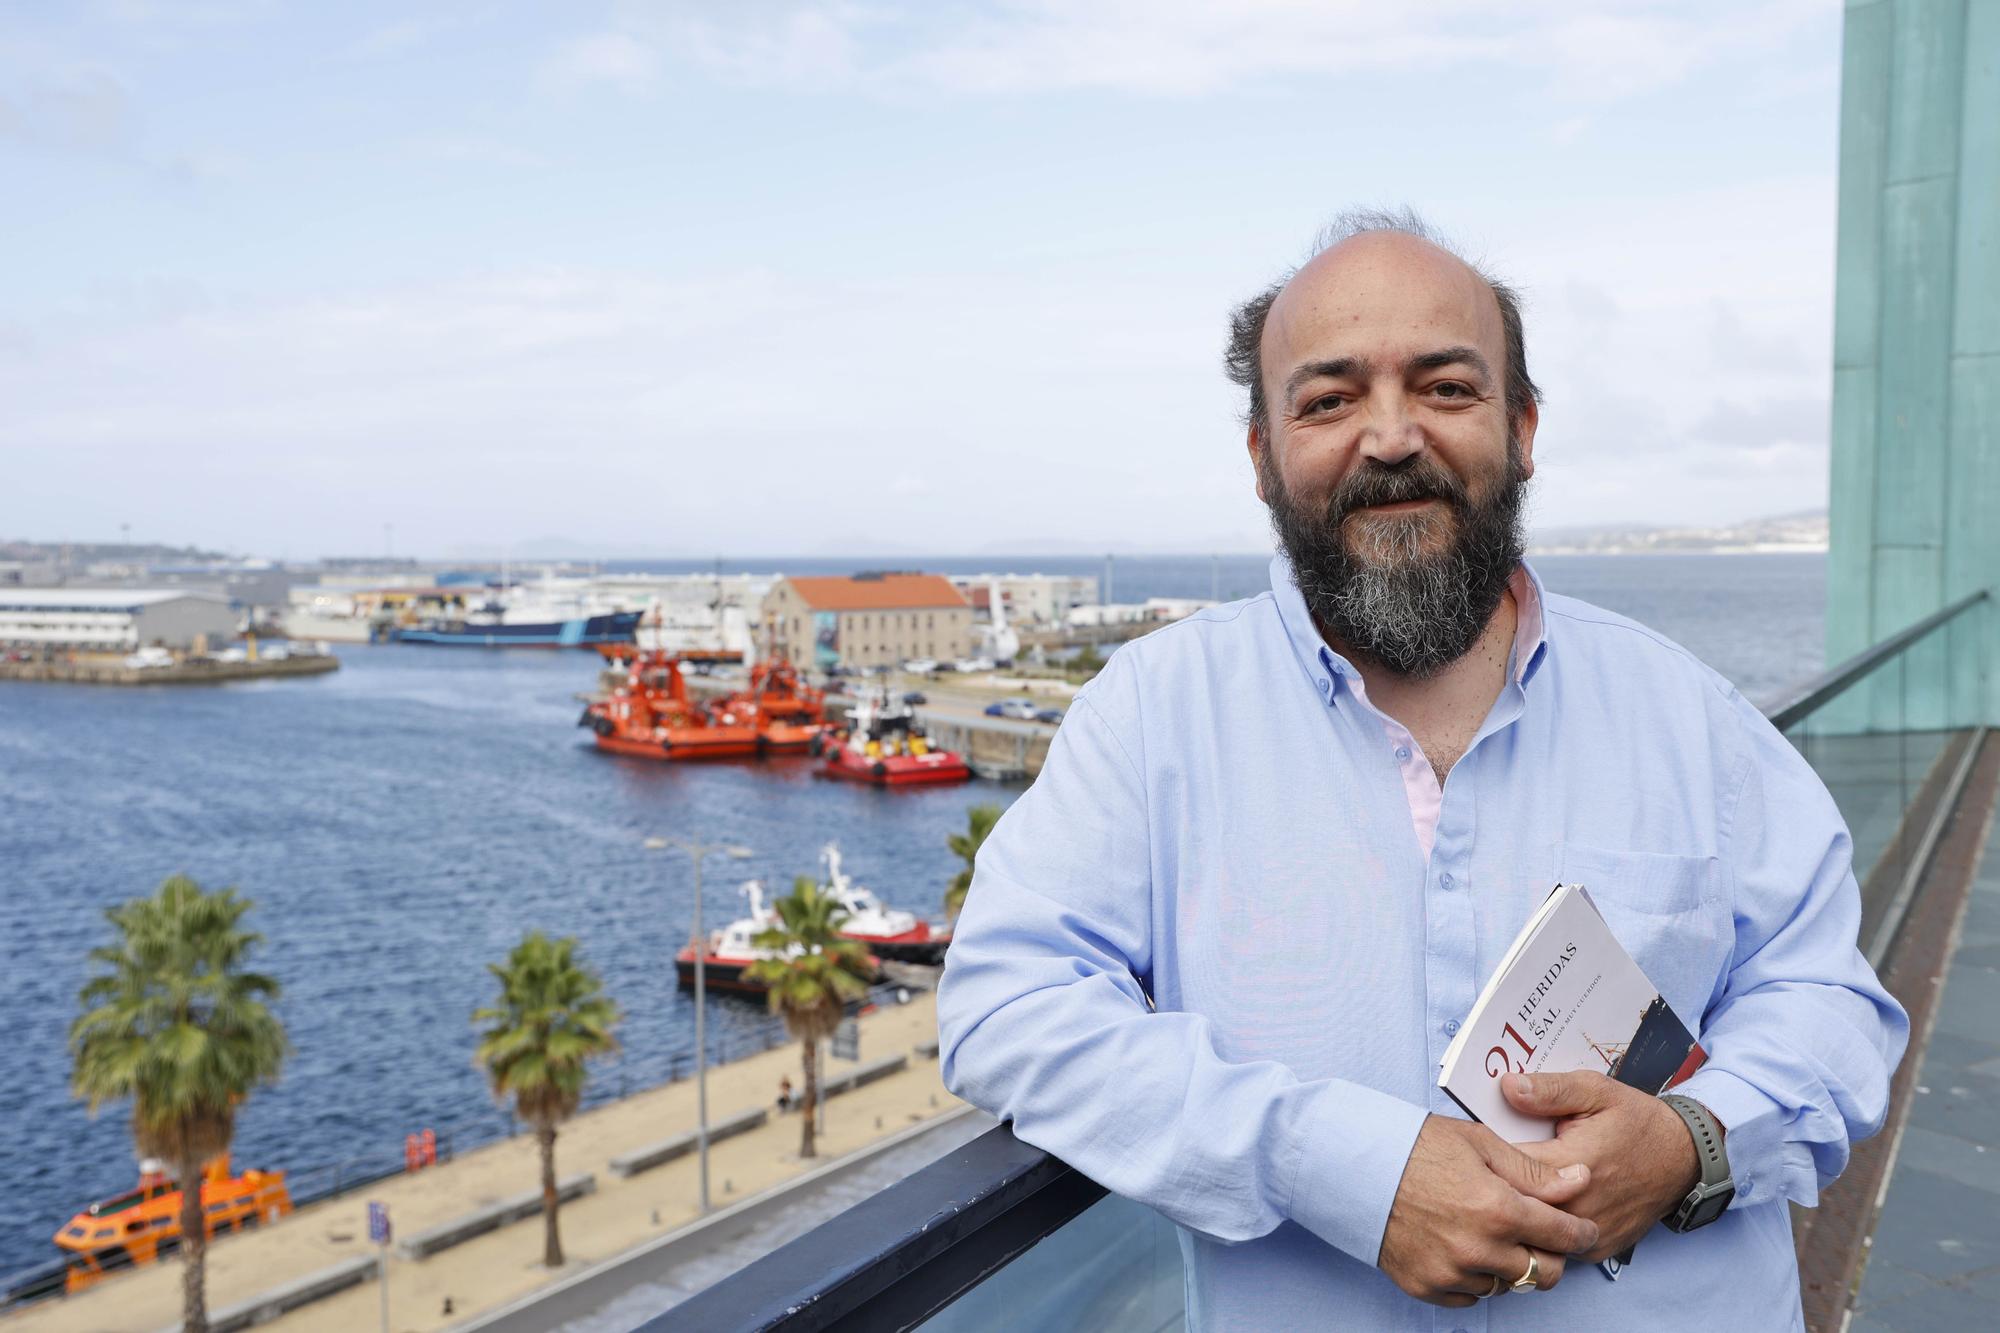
[1050, 715]
[915, 698]
[1021, 710]
[973, 664]
[920, 666]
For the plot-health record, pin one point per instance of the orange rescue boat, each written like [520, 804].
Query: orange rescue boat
[649, 715]
[144, 1223]
[785, 710]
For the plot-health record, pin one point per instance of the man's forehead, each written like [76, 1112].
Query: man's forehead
[1376, 295]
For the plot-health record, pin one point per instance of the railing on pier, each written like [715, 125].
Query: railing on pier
[999, 1235]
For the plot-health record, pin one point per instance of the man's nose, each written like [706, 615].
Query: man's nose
[1390, 433]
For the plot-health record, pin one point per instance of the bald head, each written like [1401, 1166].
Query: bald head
[1382, 272]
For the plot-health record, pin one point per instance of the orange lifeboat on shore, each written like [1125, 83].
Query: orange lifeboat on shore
[144, 1224]
[650, 716]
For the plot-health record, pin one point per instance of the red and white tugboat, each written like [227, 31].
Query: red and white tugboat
[883, 745]
[733, 949]
[889, 932]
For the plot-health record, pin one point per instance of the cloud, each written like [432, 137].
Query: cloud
[84, 110]
[550, 399]
[606, 59]
[1783, 421]
[1589, 50]
[88, 111]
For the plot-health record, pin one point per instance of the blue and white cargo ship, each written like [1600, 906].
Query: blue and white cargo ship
[495, 626]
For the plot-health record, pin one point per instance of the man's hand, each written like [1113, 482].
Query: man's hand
[1470, 1207]
[1641, 1158]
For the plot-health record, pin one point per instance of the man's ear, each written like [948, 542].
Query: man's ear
[1524, 431]
[1254, 440]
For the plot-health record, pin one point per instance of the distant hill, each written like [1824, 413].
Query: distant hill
[1805, 531]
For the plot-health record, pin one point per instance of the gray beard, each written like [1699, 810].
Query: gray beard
[1384, 598]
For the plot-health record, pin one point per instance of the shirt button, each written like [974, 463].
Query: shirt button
[1445, 879]
[1451, 1027]
[1403, 753]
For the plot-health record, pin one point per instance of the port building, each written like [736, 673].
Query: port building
[113, 620]
[1035, 600]
[865, 620]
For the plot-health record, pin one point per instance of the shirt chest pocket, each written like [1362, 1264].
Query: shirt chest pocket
[1670, 912]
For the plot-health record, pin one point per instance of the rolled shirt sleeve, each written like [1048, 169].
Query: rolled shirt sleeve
[1044, 1019]
[1803, 1038]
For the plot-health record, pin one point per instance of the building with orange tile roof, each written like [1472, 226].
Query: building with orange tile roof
[869, 619]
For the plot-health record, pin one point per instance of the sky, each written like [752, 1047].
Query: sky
[873, 277]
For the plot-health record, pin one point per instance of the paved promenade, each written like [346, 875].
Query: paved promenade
[1935, 1258]
[488, 1272]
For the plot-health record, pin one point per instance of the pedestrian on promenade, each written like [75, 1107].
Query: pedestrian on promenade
[1213, 957]
[784, 1092]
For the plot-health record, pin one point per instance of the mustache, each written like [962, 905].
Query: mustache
[1418, 478]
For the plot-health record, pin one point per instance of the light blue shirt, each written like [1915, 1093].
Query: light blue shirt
[1206, 961]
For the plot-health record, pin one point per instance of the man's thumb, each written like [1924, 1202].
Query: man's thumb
[1547, 1181]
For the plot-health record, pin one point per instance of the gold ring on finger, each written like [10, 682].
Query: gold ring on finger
[1527, 1280]
[1499, 1285]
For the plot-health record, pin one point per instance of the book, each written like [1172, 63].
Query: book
[1566, 996]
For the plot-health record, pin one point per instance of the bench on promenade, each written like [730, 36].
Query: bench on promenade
[423, 1244]
[627, 1165]
[863, 1074]
[268, 1305]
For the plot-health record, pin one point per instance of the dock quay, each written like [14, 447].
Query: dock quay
[314, 1270]
[997, 748]
[191, 672]
[993, 747]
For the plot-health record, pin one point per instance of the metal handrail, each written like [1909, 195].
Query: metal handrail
[904, 1253]
[1808, 696]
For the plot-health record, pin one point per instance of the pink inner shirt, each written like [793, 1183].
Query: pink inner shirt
[1420, 785]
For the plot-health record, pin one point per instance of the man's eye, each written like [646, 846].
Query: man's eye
[1326, 402]
[1450, 389]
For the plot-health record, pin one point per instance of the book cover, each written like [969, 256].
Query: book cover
[1566, 996]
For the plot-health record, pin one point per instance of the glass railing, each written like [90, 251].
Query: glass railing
[998, 1235]
[1892, 734]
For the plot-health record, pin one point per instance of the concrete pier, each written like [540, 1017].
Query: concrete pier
[500, 1267]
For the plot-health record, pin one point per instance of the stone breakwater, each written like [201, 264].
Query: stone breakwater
[180, 673]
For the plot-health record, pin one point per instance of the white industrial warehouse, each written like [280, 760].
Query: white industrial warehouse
[113, 620]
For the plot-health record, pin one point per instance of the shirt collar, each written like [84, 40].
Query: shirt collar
[1327, 669]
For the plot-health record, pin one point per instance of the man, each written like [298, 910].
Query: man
[1214, 956]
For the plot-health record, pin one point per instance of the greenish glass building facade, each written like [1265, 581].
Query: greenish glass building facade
[1916, 381]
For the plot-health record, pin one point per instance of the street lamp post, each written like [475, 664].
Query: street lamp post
[696, 851]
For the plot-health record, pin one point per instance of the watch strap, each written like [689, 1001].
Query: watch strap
[1713, 1191]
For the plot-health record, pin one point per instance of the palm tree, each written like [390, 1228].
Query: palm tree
[817, 972]
[175, 1023]
[552, 1016]
[979, 822]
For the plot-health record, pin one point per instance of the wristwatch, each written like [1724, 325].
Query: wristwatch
[1712, 1193]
